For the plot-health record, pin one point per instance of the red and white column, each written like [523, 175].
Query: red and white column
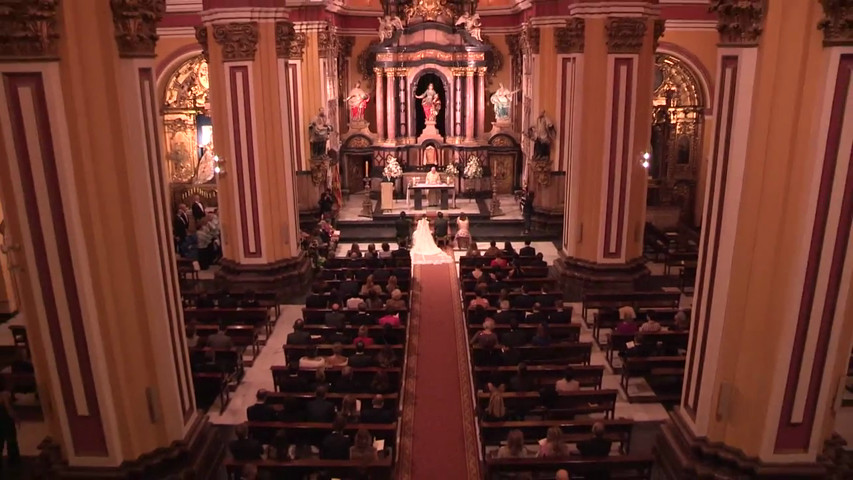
[390, 96]
[380, 103]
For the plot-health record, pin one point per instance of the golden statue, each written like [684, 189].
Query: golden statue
[428, 10]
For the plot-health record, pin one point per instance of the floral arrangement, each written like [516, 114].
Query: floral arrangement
[392, 169]
[473, 169]
[451, 169]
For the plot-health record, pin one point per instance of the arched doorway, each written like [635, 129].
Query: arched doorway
[188, 133]
[677, 130]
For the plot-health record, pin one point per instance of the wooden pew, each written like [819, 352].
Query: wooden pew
[669, 340]
[484, 260]
[561, 353]
[516, 283]
[268, 299]
[493, 298]
[636, 299]
[344, 262]
[619, 431]
[622, 467]
[528, 271]
[242, 335]
[648, 368]
[318, 315]
[402, 285]
[206, 384]
[362, 376]
[679, 259]
[300, 399]
[589, 376]
[380, 469]
[520, 313]
[258, 317]
[562, 332]
[397, 334]
[566, 405]
[325, 350]
[312, 433]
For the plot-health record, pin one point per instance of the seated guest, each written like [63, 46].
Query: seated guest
[312, 360]
[500, 261]
[560, 314]
[515, 337]
[373, 301]
[386, 358]
[597, 446]
[319, 409]
[369, 286]
[362, 317]
[279, 447]
[320, 379]
[260, 411]
[317, 299]
[204, 301]
[336, 445]
[524, 299]
[514, 447]
[493, 250]
[227, 301]
[339, 335]
[527, 250]
[626, 326]
[360, 358]
[478, 300]
[363, 337]
[377, 413]
[362, 448]
[349, 286]
[219, 339]
[497, 283]
[337, 358]
[508, 251]
[334, 297]
[562, 474]
[292, 382]
[477, 274]
[516, 271]
[391, 318]
[627, 313]
[504, 315]
[553, 445]
[245, 448]
[682, 324]
[567, 383]
[510, 357]
[349, 409]
[299, 336]
[521, 381]
[381, 275]
[336, 317]
[392, 284]
[346, 382]
[536, 315]
[542, 338]
[193, 339]
[402, 251]
[485, 338]
[354, 251]
[385, 253]
[396, 301]
[650, 326]
[353, 302]
[542, 297]
[472, 250]
[380, 383]
[642, 348]
[249, 300]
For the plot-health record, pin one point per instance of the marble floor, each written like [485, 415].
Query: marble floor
[352, 208]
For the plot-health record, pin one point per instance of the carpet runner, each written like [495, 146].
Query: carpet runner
[439, 435]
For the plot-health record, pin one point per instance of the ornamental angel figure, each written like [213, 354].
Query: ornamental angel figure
[502, 100]
[430, 102]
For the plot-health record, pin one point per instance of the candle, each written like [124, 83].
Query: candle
[366, 168]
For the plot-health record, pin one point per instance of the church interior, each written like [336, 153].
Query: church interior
[637, 216]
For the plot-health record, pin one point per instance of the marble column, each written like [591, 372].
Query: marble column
[775, 253]
[403, 101]
[470, 115]
[83, 187]
[481, 103]
[390, 96]
[605, 244]
[257, 195]
[457, 121]
[380, 103]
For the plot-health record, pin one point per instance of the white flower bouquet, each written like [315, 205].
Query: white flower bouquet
[451, 170]
[473, 169]
[392, 169]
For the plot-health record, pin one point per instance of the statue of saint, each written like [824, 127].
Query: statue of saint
[502, 100]
[543, 133]
[357, 101]
[430, 102]
[319, 130]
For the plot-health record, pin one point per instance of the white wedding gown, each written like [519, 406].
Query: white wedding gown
[424, 250]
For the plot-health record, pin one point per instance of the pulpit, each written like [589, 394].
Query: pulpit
[386, 195]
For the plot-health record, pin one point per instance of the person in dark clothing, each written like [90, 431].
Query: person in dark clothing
[504, 315]
[299, 336]
[524, 300]
[403, 228]
[326, 204]
[346, 382]
[249, 300]
[227, 301]
[440, 229]
[537, 315]
[377, 413]
[560, 314]
[293, 382]
[245, 448]
[261, 412]
[349, 287]
[521, 381]
[527, 211]
[360, 358]
[335, 318]
[527, 250]
[597, 446]
[8, 427]
[362, 317]
[319, 410]
[336, 445]
[515, 337]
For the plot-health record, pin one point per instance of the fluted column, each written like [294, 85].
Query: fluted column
[470, 116]
[92, 236]
[481, 103]
[380, 103]
[390, 96]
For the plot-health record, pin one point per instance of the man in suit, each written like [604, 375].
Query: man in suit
[219, 339]
[527, 250]
[521, 381]
[525, 300]
[597, 446]
[527, 211]
[292, 382]
[537, 316]
[336, 445]
[335, 318]
[377, 413]
[319, 409]
[504, 316]
[198, 209]
[440, 229]
[560, 314]
[299, 336]
[180, 225]
[362, 317]
[346, 383]
[360, 358]
[403, 228]
[402, 250]
[514, 337]
[261, 412]
[245, 448]
[227, 301]
[349, 287]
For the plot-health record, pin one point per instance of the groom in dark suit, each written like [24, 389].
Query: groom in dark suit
[403, 227]
[440, 230]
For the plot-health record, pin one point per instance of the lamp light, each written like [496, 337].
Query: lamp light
[646, 157]
[218, 165]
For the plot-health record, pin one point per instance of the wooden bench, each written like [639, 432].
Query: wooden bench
[587, 375]
[679, 259]
[487, 260]
[395, 334]
[547, 298]
[520, 313]
[528, 271]
[350, 263]
[318, 315]
[621, 467]
[242, 335]
[325, 349]
[258, 317]
[268, 299]
[619, 431]
[563, 332]
[362, 376]
[300, 399]
[312, 433]
[531, 283]
[564, 353]
[649, 367]
[208, 386]
[402, 285]
[636, 299]
[669, 340]
[379, 469]
[566, 405]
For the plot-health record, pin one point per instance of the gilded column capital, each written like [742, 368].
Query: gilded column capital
[837, 24]
[401, 71]
[239, 40]
[739, 21]
[327, 43]
[457, 71]
[288, 43]
[135, 24]
[481, 71]
[625, 35]
[201, 38]
[570, 39]
[28, 30]
[378, 72]
[659, 29]
[470, 71]
[389, 72]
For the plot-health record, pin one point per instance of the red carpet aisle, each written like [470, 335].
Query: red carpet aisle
[439, 435]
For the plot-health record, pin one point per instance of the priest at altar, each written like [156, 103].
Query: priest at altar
[433, 178]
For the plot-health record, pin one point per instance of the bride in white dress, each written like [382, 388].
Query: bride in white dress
[424, 250]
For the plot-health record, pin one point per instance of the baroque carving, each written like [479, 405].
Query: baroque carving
[837, 25]
[345, 44]
[367, 61]
[530, 39]
[188, 86]
[239, 40]
[287, 41]
[495, 59]
[135, 24]
[570, 39]
[28, 30]
[659, 29]
[625, 35]
[739, 21]
[201, 38]
[327, 43]
[429, 10]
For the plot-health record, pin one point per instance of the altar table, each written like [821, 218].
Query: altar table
[418, 191]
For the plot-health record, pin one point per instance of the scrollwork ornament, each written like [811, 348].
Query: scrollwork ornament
[659, 29]
[239, 40]
[570, 39]
[284, 36]
[135, 24]
[28, 30]
[327, 43]
[201, 38]
[542, 168]
[739, 22]
[837, 24]
[496, 59]
[625, 35]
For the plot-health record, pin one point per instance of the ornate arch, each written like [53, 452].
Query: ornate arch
[700, 73]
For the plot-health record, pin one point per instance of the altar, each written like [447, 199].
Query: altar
[419, 189]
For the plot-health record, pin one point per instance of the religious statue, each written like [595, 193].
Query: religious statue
[472, 25]
[387, 25]
[543, 133]
[319, 131]
[206, 166]
[433, 178]
[502, 100]
[430, 102]
[357, 101]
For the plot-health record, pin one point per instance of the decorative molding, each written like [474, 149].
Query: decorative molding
[570, 39]
[28, 30]
[202, 39]
[739, 21]
[530, 39]
[327, 43]
[659, 29]
[837, 25]
[239, 40]
[135, 24]
[625, 35]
